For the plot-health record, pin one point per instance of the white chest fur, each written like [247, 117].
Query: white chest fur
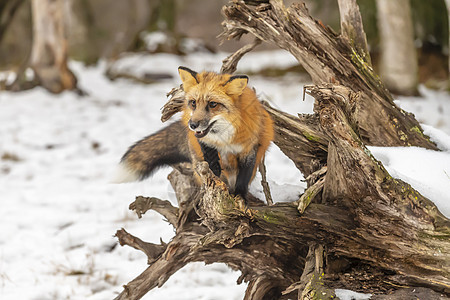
[221, 137]
[230, 149]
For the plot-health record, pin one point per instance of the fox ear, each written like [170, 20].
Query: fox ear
[236, 84]
[188, 77]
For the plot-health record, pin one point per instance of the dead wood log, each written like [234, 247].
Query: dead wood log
[352, 28]
[328, 58]
[353, 215]
[387, 210]
[366, 216]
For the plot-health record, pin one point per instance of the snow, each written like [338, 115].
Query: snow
[59, 211]
[438, 136]
[434, 111]
[350, 295]
[427, 171]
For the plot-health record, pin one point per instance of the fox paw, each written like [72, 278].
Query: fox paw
[241, 205]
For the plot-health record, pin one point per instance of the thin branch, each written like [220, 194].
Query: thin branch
[173, 259]
[142, 204]
[174, 105]
[264, 183]
[310, 194]
[229, 64]
[153, 251]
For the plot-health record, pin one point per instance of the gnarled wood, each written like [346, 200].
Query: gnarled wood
[165, 208]
[328, 59]
[366, 216]
[353, 214]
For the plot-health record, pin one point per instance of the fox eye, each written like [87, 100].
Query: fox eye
[192, 103]
[212, 104]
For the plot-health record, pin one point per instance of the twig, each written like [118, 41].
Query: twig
[229, 64]
[174, 105]
[142, 204]
[264, 183]
[153, 251]
[308, 196]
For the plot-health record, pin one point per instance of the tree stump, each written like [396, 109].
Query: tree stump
[48, 58]
[354, 227]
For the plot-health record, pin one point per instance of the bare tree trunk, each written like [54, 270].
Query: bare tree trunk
[398, 64]
[49, 50]
[362, 217]
[8, 8]
[447, 2]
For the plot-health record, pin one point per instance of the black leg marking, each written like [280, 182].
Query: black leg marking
[211, 156]
[246, 167]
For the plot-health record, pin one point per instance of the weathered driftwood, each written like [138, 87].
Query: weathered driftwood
[354, 216]
[328, 58]
[364, 215]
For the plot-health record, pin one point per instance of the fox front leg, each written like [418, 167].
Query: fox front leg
[246, 167]
[211, 156]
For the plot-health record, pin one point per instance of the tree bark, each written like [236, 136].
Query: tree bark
[398, 64]
[49, 50]
[363, 215]
[328, 58]
[8, 9]
[352, 28]
[353, 217]
[447, 3]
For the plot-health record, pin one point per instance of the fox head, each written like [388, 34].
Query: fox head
[211, 104]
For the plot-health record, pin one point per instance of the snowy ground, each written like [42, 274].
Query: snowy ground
[57, 153]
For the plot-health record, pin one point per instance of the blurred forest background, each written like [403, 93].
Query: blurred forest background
[58, 151]
[104, 29]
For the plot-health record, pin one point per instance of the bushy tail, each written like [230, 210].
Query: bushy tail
[165, 147]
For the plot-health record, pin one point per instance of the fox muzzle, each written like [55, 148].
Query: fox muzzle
[200, 128]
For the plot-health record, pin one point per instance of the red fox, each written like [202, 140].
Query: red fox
[223, 123]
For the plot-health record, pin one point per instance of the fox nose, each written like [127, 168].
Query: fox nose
[193, 125]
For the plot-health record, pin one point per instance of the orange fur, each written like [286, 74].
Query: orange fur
[241, 124]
